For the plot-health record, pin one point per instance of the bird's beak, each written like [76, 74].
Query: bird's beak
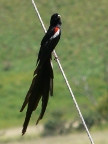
[59, 16]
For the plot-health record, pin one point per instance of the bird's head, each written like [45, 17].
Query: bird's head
[55, 19]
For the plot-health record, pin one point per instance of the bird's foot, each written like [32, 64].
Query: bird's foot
[55, 56]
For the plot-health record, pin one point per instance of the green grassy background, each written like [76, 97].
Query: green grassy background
[82, 51]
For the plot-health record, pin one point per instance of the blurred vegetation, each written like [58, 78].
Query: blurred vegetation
[102, 108]
[55, 125]
[83, 52]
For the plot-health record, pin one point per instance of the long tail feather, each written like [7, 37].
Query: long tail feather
[45, 97]
[41, 85]
[29, 93]
[28, 115]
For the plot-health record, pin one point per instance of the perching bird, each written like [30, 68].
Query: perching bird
[42, 83]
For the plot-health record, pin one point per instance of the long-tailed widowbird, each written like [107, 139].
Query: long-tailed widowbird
[42, 83]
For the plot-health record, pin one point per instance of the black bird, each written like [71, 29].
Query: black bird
[42, 83]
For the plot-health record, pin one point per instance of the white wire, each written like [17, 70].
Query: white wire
[39, 16]
[67, 83]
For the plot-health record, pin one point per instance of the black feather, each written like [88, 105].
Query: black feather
[42, 83]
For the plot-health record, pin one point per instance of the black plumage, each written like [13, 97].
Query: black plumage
[42, 83]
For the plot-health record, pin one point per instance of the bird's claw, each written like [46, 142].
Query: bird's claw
[55, 58]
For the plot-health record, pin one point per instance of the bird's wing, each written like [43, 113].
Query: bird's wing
[47, 44]
[45, 41]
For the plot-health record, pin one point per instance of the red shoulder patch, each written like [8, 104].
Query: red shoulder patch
[56, 29]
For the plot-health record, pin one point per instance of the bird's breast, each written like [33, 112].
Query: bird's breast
[56, 32]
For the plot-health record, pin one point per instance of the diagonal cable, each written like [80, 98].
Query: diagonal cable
[67, 83]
